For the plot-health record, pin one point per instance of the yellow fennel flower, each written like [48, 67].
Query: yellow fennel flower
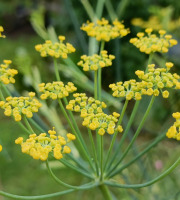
[103, 31]
[1, 30]
[39, 147]
[56, 90]
[7, 74]
[56, 50]
[103, 123]
[95, 61]
[148, 42]
[81, 103]
[18, 106]
[1, 148]
[174, 130]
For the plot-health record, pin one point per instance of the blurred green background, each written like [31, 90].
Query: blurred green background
[28, 23]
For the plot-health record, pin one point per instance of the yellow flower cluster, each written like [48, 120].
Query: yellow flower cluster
[17, 106]
[152, 83]
[174, 131]
[40, 146]
[85, 105]
[152, 43]
[103, 31]
[56, 50]
[1, 148]
[102, 123]
[56, 90]
[96, 61]
[6, 74]
[1, 30]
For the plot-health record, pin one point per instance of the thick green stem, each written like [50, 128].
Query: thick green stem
[99, 8]
[102, 169]
[115, 134]
[113, 172]
[105, 192]
[125, 133]
[134, 186]
[56, 70]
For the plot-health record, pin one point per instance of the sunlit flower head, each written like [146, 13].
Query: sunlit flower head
[18, 106]
[149, 43]
[1, 30]
[174, 130]
[56, 50]
[103, 123]
[96, 61]
[7, 74]
[153, 82]
[39, 146]
[1, 148]
[103, 31]
[56, 90]
[81, 103]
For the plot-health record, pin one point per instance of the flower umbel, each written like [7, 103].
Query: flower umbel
[40, 146]
[102, 123]
[96, 61]
[150, 43]
[85, 105]
[56, 90]
[103, 31]
[17, 106]
[7, 74]
[56, 50]
[1, 148]
[174, 130]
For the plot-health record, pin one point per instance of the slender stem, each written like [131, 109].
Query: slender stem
[36, 125]
[105, 192]
[116, 132]
[13, 196]
[164, 174]
[125, 133]
[1, 94]
[101, 177]
[96, 84]
[89, 9]
[75, 133]
[112, 171]
[27, 124]
[23, 127]
[67, 164]
[76, 126]
[99, 8]
[155, 142]
[110, 10]
[6, 90]
[58, 180]
[149, 61]
[93, 150]
[56, 70]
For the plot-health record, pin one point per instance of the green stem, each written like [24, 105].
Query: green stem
[101, 177]
[116, 132]
[113, 172]
[125, 133]
[149, 61]
[75, 133]
[58, 180]
[110, 10]
[155, 142]
[105, 192]
[134, 186]
[23, 127]
[99, 8]
[76, 126]
[96, 84]
[27, 124]
[36, 125]
[56, 70]
[67, 164]
[57, 194]
[93, 150]
[89, 9]
[121, 8]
